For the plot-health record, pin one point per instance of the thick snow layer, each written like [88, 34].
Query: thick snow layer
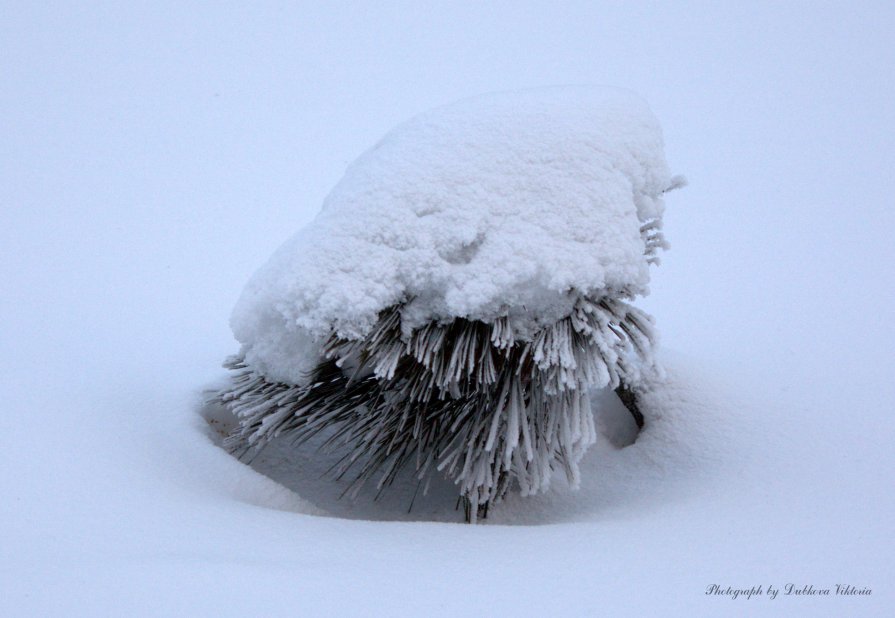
[497, 203]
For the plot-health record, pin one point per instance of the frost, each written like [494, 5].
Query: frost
[461, 293]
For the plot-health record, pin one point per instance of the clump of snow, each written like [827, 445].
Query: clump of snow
[496, 205]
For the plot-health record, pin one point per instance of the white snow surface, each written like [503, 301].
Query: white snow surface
[153, 155]
[494, 204]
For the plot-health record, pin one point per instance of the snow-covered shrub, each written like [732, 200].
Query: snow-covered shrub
[463, 289]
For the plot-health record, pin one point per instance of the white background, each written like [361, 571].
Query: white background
[153, 155]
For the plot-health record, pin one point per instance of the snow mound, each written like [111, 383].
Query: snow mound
[502, 204]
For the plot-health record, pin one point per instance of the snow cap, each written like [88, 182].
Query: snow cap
[501, 204]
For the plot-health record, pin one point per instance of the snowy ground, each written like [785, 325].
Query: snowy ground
[154, 156]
